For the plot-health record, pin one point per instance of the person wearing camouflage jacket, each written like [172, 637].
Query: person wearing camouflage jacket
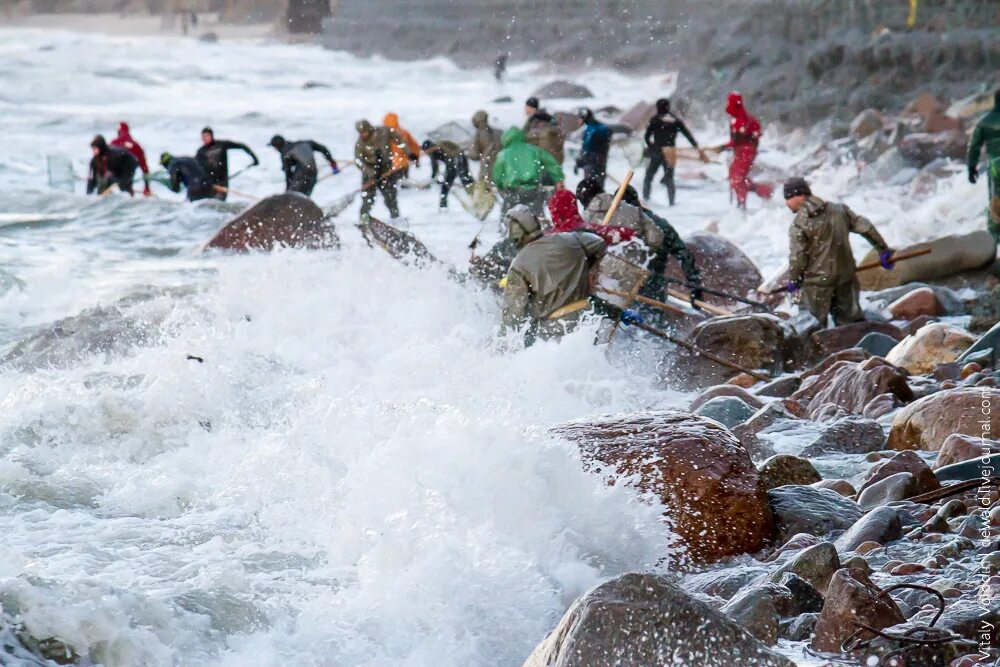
[987, 135]
[485, 145]
[373, 155]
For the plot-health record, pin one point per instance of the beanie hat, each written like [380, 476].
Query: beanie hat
[796, 186]
[532, 102]
[165, 158]
[587, 189]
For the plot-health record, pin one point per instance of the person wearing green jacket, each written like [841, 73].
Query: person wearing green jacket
[518, 171]
[987, 134]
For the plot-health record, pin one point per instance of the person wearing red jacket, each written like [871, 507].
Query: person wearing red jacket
[125, 140]
[566, 218]
[744, 135]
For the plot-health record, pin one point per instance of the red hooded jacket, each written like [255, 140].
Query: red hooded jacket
[743, 128]
[566, 218]
[125, 140]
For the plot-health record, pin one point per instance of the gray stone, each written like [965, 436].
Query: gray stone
[987, 341]
[805, 598]
[562, 89]
[877, 344]
[848, 435]
[900, 486]
[798, 629]
[644, 619]
[756, 609]
[815, 565]
[783, 387]
[882, 525]
[727, 410]
[805, 509]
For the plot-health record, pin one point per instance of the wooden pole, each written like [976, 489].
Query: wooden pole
[219, 188]
[707, 307]
[666, 307]
[618, 198]
[704, 353]
[874, 264]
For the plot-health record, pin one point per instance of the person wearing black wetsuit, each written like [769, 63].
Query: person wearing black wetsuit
[109, 166]
[214, 159]
[661, 133]
[298, 163]
[448, 157]
[188, 172]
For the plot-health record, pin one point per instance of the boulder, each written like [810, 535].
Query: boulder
[638, 116]
[850, 598]
[958, 448]
[941, 123]
[848, 435]
[881, 525]
[752, 341]
[756, 609]
[852, 386]
[836, 339]
[950, 301]
[921, 301]
[726, 390]
[887, 165]
[785, 469]
[562, 89]
[815, 564]
[727, 410]
[866, 123]
[781, 387]
[644, 619]
[987, 341]
[841, 486]
[287, 220]
[927, 423]
[949, 255]
[805, 598]
[893, 488]
[922, 148]
[877, 344]
[906, 461]
[723, 266]
[805, 509]
[925, 105]
[699, 470]
[933, 344]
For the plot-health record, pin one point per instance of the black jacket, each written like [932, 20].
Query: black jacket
[113, 165]
[188, 172]
[214, 158]
[662, 132]
[299, 155]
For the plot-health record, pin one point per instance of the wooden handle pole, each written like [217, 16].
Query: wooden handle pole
[618, 198]
[707, 307]
[899, 257]
[644, 299]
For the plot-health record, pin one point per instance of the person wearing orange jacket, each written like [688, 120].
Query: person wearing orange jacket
[401, 157]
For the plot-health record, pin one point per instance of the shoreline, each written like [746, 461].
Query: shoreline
[144, 25]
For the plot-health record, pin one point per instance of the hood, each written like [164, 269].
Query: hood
[391, 120]
[363, 127]
[662, 106]
[734, 105]
[522, 225]
[564, 212]
[512, 136]
[100, 144]
[480, 120]
[123, 131]
[813, 206]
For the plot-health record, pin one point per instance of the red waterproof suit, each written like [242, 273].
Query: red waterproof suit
[744, 134]
[125, 140]
[566, 218]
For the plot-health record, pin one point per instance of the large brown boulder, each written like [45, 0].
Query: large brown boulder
[927, 423]
[722, 264]
[850, 598]
[922, 148]
[644, 619]
[958, 448]
[905, 461]
[839, 339]
[933, 344]
[949, 255]
[698, 469]
[287, 220]
[852, 386]
[756, 342]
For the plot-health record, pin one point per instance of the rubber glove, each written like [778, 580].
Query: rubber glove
[631, 317]
[792, 287]
[333, 165]
[973, 174]
[696, 295]
[885, 259]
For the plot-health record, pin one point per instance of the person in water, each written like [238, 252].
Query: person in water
[125, 140]
[213, 156]
[110, 166]
[187, 172]
[298, 163]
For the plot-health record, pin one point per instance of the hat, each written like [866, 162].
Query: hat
[427, 144]
[522, 225]
[277, 141]
[165, 158]
[587, 189]
[532, 102]
[207, 130]
[363, 126]
[585, 114]
[796, 186]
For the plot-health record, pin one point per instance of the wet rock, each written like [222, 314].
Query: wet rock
[804, 509]
[949, 255]
[906, 461]
[785, 469]
[927, 423]
[922, 148]
[744, 380]
[848, 435]
[699, 470]
[726, 390]
[877, 344]
[852, 385]
[969, 369]
[643, 619]
[727, 410]
[854, 354]
[985, 342]
[850, 598]
[562, 89]
[967, 617]
[887, 165]
[919, 323]
[922, 301]
[841, 486]
[866, 123]
[796, 543]
[752, 341]
[805, 598]
[638, 116]
[849, 336]
[934, 344]
[815, 565]
[882, 525]
[723, 265]
[782, 387]
[723, 583]
[900, 486]
[287, 220]
[799, 629]
[756, 609]
[867, 547]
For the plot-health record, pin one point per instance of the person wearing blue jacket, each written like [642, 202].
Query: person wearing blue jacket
[596, 144]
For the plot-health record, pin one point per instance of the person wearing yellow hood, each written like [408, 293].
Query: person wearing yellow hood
[402, 155]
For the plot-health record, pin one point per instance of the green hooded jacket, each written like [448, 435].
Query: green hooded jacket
[987, 133]
[520, 164]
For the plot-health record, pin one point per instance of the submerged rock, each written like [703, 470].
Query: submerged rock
[699, 470]
[927, 423]
[933, 344]
[287, 220]
[644, 619]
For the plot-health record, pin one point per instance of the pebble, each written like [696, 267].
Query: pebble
[873, 457]
[937, 524]
[888, 567]
[858, 563]
[991, 563]
[995, 516]
[867, 547]
[969, 369]
[953, 508]
[933, 538]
